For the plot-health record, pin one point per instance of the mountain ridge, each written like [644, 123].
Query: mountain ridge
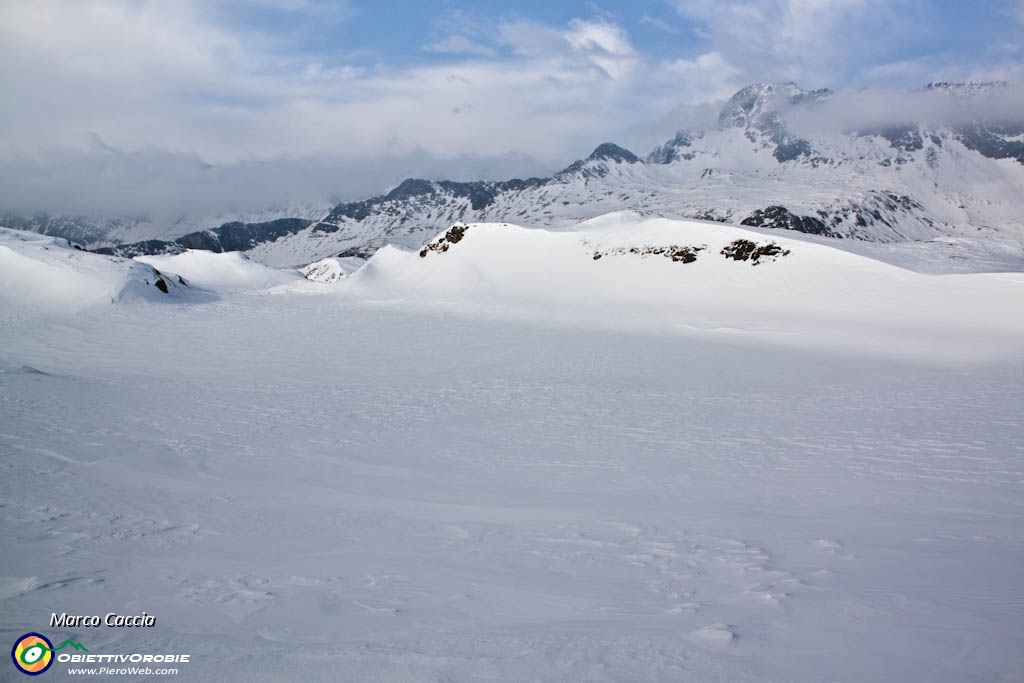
[893, 183]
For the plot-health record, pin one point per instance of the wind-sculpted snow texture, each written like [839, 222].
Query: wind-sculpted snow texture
[510, 461]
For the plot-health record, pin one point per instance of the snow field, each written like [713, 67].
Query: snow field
[509, 461]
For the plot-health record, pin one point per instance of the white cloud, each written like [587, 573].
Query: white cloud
[904, 69]
[460, 45]
[710, 74]
[166, 186]
[596, 46]
[861, 109]
[599, 36]
[169, 83]
[531, 38]
[605, 44]
[317, 71]
[813, 41]
[170, 87]
[659, 24]
[324, 11]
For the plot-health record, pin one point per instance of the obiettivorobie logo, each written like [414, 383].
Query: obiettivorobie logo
[33, 653]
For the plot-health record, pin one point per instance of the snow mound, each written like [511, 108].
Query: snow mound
[627, 272]
[225, 271]
[328, 270]
[716, 637]
[50, 274]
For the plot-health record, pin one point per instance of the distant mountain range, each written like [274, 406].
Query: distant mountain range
[912, 182]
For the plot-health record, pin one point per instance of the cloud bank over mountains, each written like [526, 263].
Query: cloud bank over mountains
[205, 105]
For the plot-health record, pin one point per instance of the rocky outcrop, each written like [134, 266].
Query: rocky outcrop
[746, 250]
[445, 241]
[675, 253]
[781, 218]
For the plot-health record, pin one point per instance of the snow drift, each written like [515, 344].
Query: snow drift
[624, 271]
[621, 271]
[224, 271]
[50, 274]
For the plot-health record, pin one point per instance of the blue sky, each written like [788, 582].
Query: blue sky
[932, 35]
[396, 32]
[354, 95]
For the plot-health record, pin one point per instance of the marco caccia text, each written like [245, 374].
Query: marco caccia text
[112, 619]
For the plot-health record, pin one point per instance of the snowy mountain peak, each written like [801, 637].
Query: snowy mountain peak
[411, 187]
[746, 105]
[759, 109]
[608, 151]
[754, 105]
[598, 164]
[676, 149]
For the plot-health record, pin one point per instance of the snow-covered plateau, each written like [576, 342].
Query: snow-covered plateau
[629, 449]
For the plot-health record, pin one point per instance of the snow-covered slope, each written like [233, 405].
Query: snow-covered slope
[222, 271]
[622, 271]
[40, 274]
[625, 271]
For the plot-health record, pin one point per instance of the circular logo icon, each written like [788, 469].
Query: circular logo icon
[32, 654]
